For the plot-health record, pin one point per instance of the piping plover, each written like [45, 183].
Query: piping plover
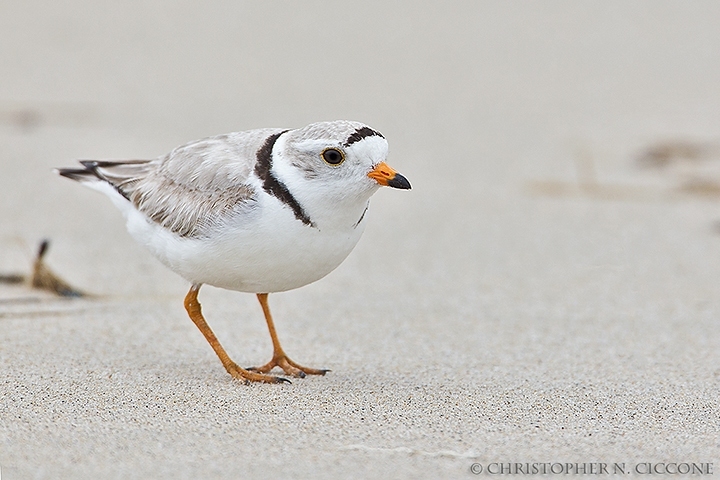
[259, 211]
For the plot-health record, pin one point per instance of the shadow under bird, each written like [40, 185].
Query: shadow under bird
[259, 211]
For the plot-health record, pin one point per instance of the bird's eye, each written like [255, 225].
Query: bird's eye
[333, 156]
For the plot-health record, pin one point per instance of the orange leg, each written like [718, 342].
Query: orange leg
[280, 358]
[192, 305]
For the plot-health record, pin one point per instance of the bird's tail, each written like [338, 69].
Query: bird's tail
[119, 175]
[79, 174]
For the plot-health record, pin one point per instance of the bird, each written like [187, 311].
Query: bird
[258, 211]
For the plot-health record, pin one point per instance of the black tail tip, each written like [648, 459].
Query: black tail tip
[74, 173]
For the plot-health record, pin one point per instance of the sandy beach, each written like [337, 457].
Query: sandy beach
[547, 293]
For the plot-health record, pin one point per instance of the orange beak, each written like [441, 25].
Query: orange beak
[386, 176]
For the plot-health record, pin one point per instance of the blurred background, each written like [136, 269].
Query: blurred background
[547, 288]
[481, 102]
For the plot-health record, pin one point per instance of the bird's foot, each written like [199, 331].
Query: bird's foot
[288, 366]
[247, 376]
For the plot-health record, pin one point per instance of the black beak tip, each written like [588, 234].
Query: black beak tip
[400, 182]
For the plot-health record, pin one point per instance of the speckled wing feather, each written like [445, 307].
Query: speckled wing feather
[194, 186]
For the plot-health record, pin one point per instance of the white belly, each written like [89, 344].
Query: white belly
[272, 252]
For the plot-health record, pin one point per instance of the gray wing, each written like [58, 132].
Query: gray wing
[191, 188]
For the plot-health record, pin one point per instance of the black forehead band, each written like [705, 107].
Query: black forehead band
[361, 133]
